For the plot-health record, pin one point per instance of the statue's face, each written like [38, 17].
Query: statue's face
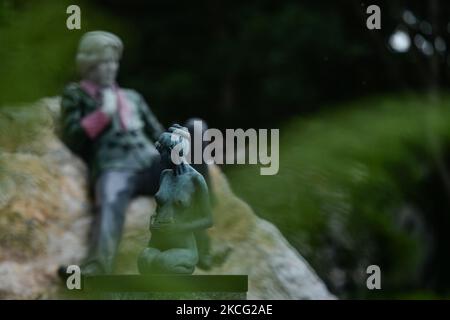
[105, 72]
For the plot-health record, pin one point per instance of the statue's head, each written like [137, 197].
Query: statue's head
[173, 145]
[98, 57]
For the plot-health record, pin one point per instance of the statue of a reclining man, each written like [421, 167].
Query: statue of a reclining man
[183, 208]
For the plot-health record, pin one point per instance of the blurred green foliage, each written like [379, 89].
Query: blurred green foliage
[37, 51]
[345, 184]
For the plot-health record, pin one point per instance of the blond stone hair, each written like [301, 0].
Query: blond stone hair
[92, 45]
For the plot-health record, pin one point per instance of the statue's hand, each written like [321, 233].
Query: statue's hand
[109, 103]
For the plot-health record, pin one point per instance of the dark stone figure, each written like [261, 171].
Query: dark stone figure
[183, 208]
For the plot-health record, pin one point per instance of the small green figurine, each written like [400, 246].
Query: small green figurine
[183, 208]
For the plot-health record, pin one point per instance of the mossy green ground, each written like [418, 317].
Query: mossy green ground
[344, 178]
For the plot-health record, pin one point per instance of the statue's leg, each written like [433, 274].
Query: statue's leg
[177, 260]
[182, 256]
[146, 260]
[114, 190]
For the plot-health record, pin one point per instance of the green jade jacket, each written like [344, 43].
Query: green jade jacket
[122, 141]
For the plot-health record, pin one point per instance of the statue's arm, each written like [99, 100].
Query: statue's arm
[77, 126]
[204, 201]
[153, 127]
[72, 133]
[203, 219]
[197, 224]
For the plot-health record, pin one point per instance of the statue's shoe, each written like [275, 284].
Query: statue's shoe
[88, 269]
[91, 269]
[205, 262]
[62, 273]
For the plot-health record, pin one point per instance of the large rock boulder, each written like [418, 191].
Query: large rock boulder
[45, 215]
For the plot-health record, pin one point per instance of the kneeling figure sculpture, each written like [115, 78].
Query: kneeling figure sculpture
[183, 207]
